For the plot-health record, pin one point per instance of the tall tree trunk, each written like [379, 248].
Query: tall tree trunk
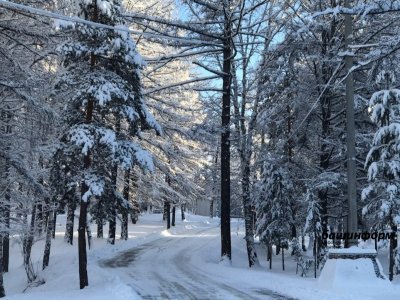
[53, 233]
[325, 160]
[99, 229]
[124, 226]
[83, 276]
[215, 184]
[7, 198]
[113, 215]
[133, 196]
[168, 208]
[2, 291]
[124, 223]
[392, 251]
[270, 255]
[225, 137]
[69, 228]
[49, 231]
[326, 148]
[248, 215]
[173, 216]
[6, 235]
[350, 130]
[183, 212]
[112, 224]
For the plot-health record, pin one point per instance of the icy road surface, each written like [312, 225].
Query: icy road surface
[172, 268]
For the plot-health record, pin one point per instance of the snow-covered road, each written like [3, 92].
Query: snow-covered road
[180, 263]
[170, 268]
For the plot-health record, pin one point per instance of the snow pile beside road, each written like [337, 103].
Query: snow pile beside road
[115, 290]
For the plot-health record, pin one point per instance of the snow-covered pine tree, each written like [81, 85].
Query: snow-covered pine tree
[313, 226]
[383, 162]
[101, 87]
[273, 203]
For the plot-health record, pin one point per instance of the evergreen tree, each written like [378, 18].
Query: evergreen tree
[104, 108]
[313, 226]
[273, 203]
[383, 162]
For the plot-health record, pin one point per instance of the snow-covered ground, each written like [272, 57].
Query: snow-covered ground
[182, 263]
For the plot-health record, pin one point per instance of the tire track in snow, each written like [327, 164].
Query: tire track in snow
[159, 274]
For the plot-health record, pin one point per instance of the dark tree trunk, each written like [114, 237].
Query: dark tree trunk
[69, 228]
[133, 178]
[225, 139]
[124, 226]
[124, 223]
[47, 247]
[112, 221]
[113, 211]
[183, 212]
[7, 117]
[168, 208]
[248, 215]
[283, 259]
[277, 249]
[42, 207]
[2, 291]
[215, 184]
[294, 231]
[99, 229]
[112, 224]
[270, 255]
[6, 235]
[167, 204]
[392, 252]
[173, 216]
[53, 233]
[83, 276]
[315, 257]
[326, 148]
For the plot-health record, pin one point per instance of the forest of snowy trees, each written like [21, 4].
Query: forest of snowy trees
[111, 107]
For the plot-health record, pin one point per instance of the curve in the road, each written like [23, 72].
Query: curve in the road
[162, 269]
